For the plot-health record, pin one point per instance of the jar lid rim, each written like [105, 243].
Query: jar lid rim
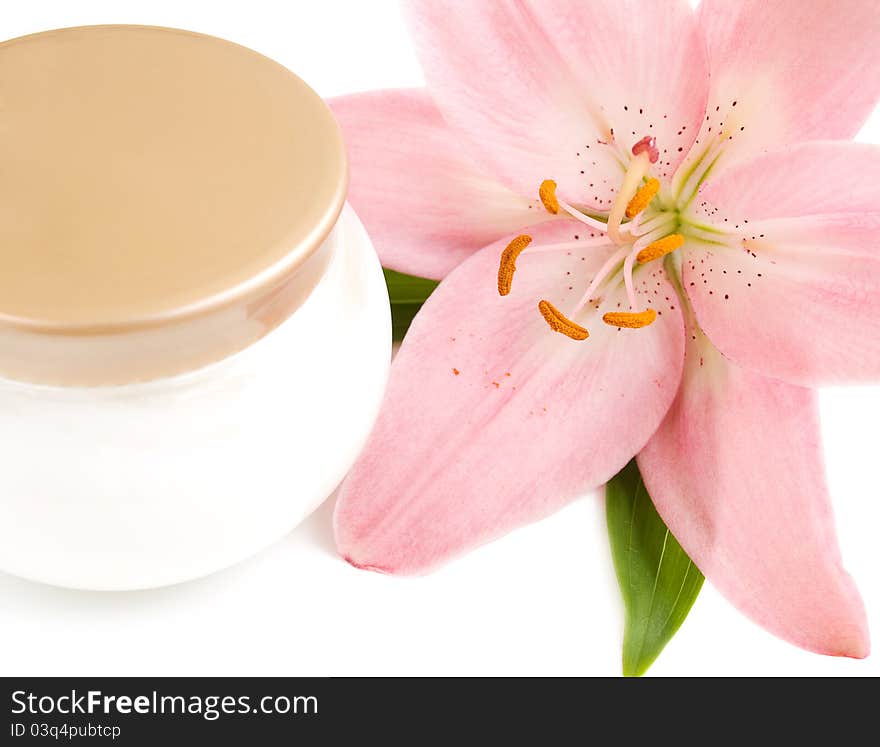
[154, 175]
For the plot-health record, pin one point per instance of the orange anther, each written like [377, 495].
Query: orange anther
[547, 193]
[630, 319]
[560, 323]
[508, 263]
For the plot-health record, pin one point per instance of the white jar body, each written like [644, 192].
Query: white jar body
[154, 483]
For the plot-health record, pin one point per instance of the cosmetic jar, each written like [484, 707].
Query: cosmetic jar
[194, 327]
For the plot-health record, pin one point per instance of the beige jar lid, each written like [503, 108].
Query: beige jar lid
[165, 200]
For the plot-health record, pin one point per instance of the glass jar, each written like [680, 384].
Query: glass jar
[194, 327]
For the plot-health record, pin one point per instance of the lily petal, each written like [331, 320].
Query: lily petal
[799, 298]
[492, 421]
[736, 472]
[412, 183]
[787, 71]
[643, 64]
[540, 86]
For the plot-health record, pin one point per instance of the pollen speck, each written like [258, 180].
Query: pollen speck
[456, 372]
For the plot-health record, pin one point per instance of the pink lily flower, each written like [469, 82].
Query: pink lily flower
[702, 253]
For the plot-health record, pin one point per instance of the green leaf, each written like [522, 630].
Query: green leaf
[407, 294]
[659, 582]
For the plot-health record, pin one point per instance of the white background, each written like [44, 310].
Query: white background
[541, 601]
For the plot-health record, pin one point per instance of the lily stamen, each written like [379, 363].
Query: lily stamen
[633, 319]
[558, 322]
[508, 263]
[650, 246]
[552, 204]
[660, 248]
[646, 239]
[630, 319]
[647, 192]
[547, 193]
